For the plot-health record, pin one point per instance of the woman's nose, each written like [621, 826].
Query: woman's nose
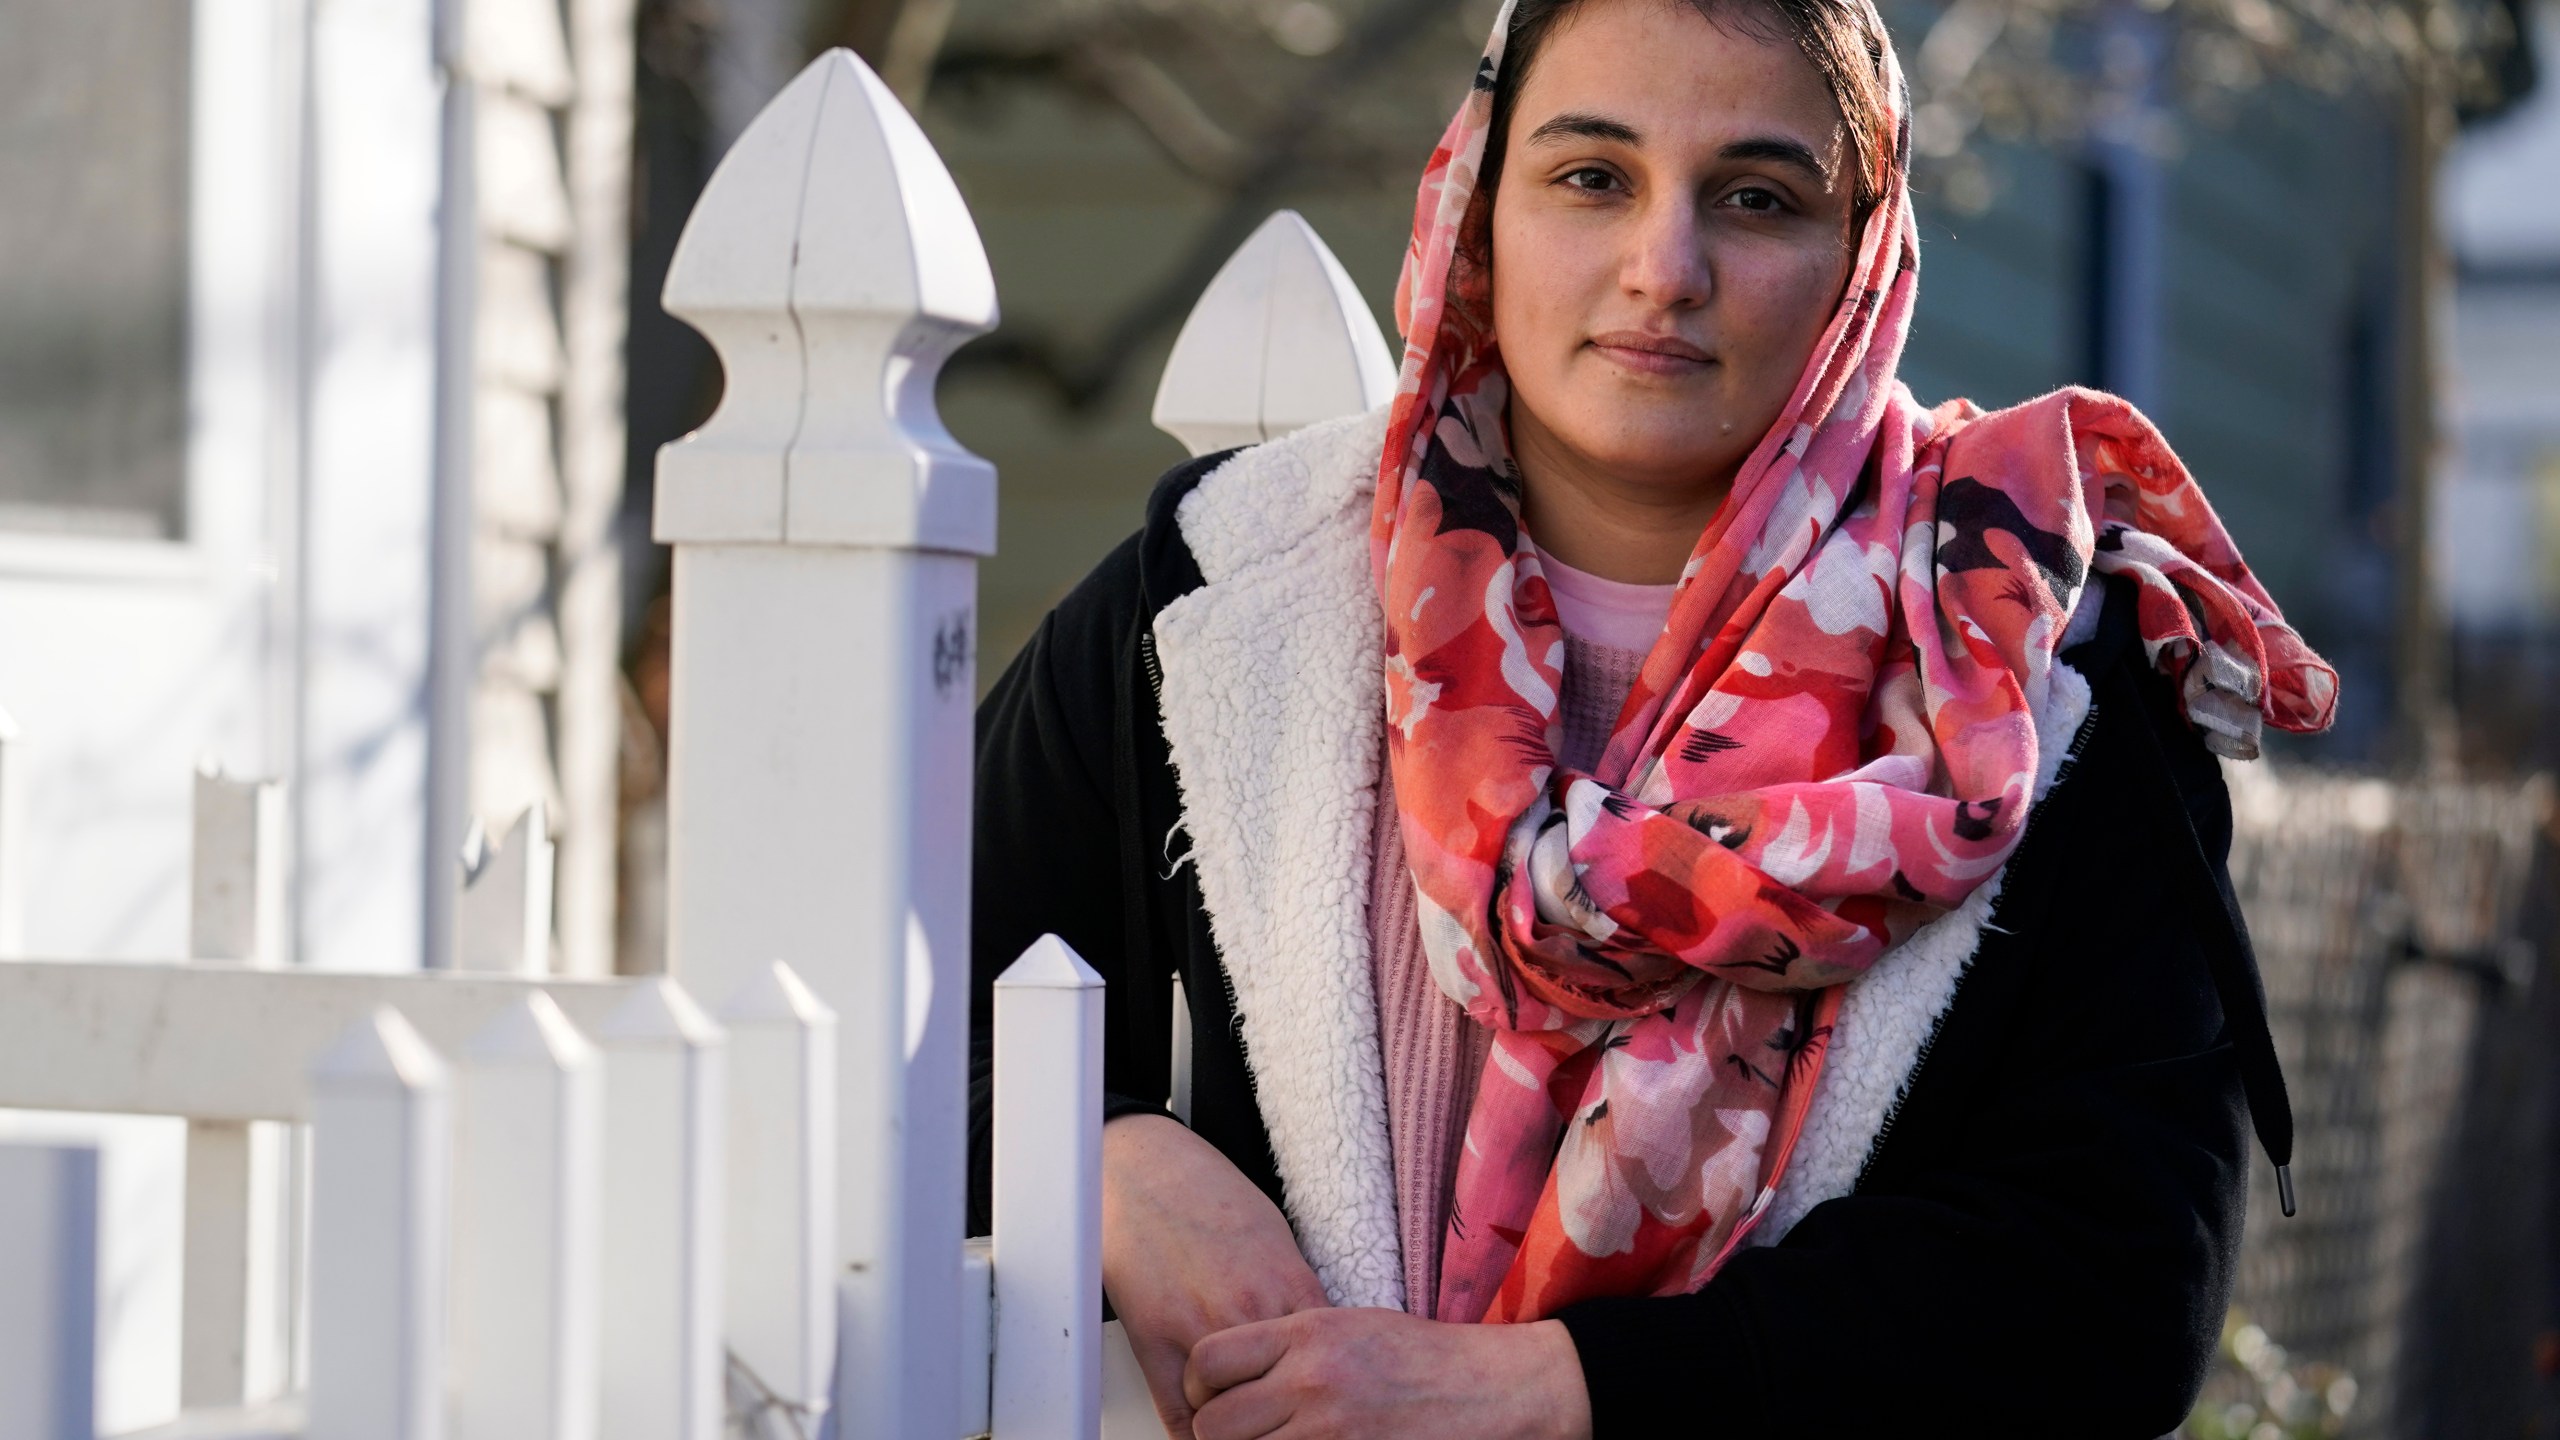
[1666, 263]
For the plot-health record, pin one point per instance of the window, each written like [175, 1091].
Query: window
[93, 267]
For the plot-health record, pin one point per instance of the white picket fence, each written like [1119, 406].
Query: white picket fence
[494, 1203]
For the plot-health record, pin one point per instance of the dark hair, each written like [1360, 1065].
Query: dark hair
[1843, 39]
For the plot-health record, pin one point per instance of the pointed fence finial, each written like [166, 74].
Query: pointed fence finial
[832, 264]
[1280, 340]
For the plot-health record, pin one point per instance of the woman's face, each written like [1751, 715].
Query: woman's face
[1671, 232]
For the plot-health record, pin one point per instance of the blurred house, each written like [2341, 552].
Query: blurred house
[235, 526]
[2498, 529]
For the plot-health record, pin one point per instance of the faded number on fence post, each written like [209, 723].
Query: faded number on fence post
[953, 650]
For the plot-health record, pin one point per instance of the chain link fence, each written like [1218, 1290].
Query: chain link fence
[2403, 931]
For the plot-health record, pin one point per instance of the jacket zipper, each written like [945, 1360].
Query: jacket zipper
[1155, 670]
[1990, 922]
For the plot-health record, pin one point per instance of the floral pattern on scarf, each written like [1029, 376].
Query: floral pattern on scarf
[1831, 742]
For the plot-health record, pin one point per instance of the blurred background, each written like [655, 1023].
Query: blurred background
[328, 410]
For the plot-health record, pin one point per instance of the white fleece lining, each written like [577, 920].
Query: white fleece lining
[1272, 711]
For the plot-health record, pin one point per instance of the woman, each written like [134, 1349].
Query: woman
[1610, 816]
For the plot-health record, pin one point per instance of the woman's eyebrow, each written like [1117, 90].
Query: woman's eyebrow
[1779, 150]
[1581, 125]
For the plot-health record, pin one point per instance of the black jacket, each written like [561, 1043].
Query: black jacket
[2047, 1225]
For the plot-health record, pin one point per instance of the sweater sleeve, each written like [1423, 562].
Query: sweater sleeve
[1047, 843]
[2059, 1240]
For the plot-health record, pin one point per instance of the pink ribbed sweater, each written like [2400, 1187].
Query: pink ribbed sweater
[1432, 1052]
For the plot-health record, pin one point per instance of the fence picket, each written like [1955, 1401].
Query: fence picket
[48, 1290]
[235, 874]
[382, 1152]
[502, 922]
[781, 1308]
[529, 1140]
[661, 1235]
[1048, 1197]
[236, 1296]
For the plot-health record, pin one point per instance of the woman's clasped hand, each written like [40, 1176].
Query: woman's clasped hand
[1356, 1374]
[1237, 1341]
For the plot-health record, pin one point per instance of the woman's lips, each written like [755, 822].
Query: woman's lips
[1652, 354]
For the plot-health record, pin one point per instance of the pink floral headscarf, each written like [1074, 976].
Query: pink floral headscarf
[1832, 741]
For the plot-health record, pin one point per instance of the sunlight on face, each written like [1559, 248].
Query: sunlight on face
[1670, 235]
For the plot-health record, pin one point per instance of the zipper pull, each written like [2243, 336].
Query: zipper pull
[2284, 1189]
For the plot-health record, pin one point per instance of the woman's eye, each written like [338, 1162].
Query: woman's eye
[1591, 178]
[1756, 199]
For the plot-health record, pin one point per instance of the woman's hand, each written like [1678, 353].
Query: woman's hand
[1189, 1248]
[1384, 1375]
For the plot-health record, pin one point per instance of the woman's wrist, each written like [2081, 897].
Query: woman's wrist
[1549, 1368]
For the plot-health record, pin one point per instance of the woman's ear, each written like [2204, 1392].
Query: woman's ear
[1471, 267]
[1475, 231]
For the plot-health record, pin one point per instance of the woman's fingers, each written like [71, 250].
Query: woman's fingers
[1253, 1410]
[1385, 1375]
[1232, 1388]
[1232, 1357]
[1161, 1362]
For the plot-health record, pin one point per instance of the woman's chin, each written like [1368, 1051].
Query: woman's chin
[1679, 453]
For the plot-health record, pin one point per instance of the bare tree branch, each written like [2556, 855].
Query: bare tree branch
[1083, 377]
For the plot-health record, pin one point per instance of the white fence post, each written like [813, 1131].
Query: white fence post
[528, 1140]
[1048, 1197]
[235, 1331]
[660, 1358]
[1281, 339]
[502, 921]
[782, 1191]
[382, 1143]
[819, 790]
[48, 1291]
